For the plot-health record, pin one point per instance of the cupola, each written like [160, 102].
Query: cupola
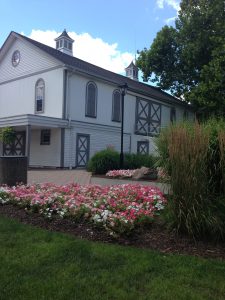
[132, 71]
[64, 43]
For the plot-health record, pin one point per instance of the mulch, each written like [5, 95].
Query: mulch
[154, 237]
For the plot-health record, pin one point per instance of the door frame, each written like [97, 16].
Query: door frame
[87, 136]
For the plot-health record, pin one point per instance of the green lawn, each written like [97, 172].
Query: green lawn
[37, 264]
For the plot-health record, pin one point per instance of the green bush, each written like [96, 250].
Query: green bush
[103, 161]
[7, 135]
[193, 156]
[135, 161]
[109, 159]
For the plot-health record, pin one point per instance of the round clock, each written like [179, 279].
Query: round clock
[15, 58]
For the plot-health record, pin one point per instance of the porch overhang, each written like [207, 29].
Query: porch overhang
[34, 121]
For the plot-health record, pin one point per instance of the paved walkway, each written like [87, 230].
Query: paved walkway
[59, 176]
[82, 177]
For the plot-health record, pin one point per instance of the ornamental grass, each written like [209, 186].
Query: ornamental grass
[193, 157]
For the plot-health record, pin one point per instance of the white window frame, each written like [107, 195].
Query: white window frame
[96, 96]
[113, 99]
[39, 83]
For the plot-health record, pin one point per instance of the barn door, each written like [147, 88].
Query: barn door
[17, 148]
[83, 150]
[143, 147]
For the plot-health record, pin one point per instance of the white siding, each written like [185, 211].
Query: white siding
[99, 140]
[32, 60]
[77, 98]
[18, 97]
[165, 115]
[45, 155]
[76, 111]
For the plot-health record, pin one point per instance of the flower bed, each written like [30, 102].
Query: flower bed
[120, 173]
[118, 209]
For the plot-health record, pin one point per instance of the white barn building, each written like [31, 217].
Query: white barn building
[64, 109]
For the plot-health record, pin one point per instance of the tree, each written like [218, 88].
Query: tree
[189, 59]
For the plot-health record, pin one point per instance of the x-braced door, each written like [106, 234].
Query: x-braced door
[83, 150]
[17, 147]
[143, 147]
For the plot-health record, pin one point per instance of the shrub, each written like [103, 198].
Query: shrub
[7, 135]
[103, 161]
[109, 159]
[135, 161]
[193, 156]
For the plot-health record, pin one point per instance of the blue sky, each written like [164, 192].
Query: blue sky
[106, 32]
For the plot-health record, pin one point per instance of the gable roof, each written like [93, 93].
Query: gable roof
[84, 67]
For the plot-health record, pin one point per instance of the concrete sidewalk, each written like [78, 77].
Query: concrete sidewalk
[61, 177]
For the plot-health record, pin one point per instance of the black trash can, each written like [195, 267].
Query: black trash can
[13, 170]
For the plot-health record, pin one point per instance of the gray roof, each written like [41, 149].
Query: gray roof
[64, 34]
[82, 66]
[131, 65]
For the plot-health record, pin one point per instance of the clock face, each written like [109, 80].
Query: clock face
[15, 58]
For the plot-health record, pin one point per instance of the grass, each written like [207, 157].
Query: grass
[37, 264]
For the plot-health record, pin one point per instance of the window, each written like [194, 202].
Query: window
[60, 43]
[116, 106]
[172, 115]
[45, 137]
[65, 44]
[70, 46]
[185, 116]
[39, 96]
[57, 44]
[91, 100]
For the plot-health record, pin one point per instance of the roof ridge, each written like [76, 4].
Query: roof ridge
[84, 66]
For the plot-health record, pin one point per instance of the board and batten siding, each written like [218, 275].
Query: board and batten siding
[18, 97]
[45, 155]
[32, 60]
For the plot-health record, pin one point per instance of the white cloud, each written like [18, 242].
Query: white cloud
[170, 20]
[160, 3]
[90, 49]
[175, 4]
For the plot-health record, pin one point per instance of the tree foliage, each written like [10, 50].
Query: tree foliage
[189, 60]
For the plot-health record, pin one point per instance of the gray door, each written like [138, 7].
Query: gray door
[82, 150]
[17, 147]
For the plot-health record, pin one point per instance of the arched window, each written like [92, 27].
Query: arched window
[116, 106]
[39, 96]
[91, 100]
[185, 116]
[172, 114]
